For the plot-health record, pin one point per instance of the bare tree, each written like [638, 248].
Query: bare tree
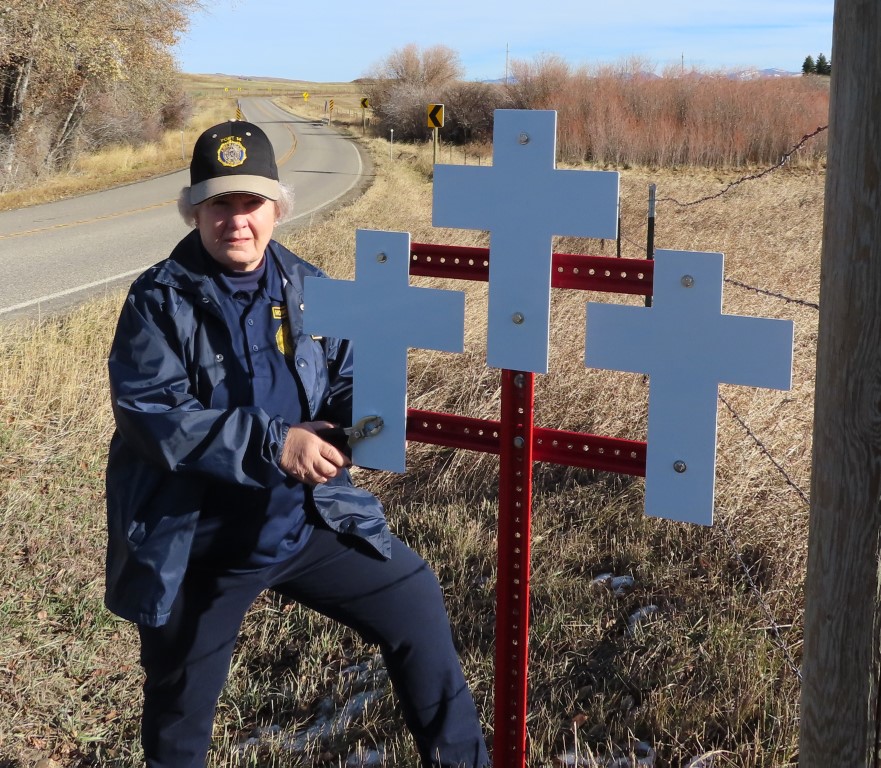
[440, 66]
[536, 84]
[57, 59]
[433, 67]
[403, 65]
[402, 84]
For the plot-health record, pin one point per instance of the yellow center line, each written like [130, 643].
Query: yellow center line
[66, 225]
[264, 111]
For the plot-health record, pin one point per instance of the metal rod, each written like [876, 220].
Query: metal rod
[512, 588]
[650, 233]
[618, 240]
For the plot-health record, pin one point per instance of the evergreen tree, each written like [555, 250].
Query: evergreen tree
[824, 67]
[809, 67]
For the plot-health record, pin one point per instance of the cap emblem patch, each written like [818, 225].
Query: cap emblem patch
[232, 152]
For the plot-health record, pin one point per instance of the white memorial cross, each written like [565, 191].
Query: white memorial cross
[383, 316]
[687, 347]
[523, 201]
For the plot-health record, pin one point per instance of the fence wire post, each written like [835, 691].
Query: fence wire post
[512, 588]
[618, 240]
[650, 233]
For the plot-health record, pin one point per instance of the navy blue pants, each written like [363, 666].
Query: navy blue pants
[396, 604]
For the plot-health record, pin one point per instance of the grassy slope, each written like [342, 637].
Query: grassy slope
[705, 674]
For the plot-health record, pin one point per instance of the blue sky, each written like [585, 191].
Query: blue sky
[340, 41]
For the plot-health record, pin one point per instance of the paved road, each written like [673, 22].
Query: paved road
[55, 255]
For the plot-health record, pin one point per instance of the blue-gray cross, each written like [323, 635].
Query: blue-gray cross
[687, 347]
[383, 315]
[523, 201]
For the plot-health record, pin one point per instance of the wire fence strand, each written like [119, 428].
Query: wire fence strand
[776, 634]
[774, 627]
[753, 176]
[763, 291]
[766, 452]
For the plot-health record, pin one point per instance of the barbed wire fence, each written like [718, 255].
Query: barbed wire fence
[775, 628]
[784, 159]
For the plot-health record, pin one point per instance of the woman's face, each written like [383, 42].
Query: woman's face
[236, 228]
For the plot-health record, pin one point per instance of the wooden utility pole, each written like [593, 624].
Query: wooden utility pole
[841, 697]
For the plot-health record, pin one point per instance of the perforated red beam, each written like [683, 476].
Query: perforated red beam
[569, 270]
[572, 449]
[512, 590]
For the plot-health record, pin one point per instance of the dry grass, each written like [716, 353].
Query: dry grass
[704, 676]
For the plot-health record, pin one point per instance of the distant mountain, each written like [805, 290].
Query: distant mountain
[751, 73]
[758, 74]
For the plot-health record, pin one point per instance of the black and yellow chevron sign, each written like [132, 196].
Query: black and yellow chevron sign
[364, 103]
[435, 115]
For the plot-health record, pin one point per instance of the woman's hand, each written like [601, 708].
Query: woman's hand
[307, 457]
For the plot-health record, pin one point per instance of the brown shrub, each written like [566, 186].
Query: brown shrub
[624, 115]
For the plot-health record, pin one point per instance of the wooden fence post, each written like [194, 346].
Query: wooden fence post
[841, 700]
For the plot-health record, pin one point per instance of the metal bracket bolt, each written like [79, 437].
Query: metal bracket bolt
[679, 466]
[518, 318]
[687, 281]
[381, 258]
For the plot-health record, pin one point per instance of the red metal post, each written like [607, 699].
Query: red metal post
[512, 587]
[518, 442]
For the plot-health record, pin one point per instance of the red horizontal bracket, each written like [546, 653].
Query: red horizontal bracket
[573, 449]
[453, 431]
[569, 270]
[603, 273]
[460, 262]
[578, 449]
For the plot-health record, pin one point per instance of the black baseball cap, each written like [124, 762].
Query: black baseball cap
[235, 156]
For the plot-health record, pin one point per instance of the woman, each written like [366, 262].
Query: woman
[219, 485]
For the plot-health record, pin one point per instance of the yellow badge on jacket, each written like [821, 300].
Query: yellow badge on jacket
[283, 338]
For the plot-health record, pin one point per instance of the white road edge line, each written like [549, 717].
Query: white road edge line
[132, 273]
[60, 294]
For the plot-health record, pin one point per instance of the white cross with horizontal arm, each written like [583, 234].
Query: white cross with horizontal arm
[383, 316]
[523, 200]
[687, 347]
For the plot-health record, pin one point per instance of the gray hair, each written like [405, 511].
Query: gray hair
[284, 206]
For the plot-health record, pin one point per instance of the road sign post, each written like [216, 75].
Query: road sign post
[435, 121]
[364, 104]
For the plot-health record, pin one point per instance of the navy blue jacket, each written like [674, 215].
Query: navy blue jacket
[171, 349]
